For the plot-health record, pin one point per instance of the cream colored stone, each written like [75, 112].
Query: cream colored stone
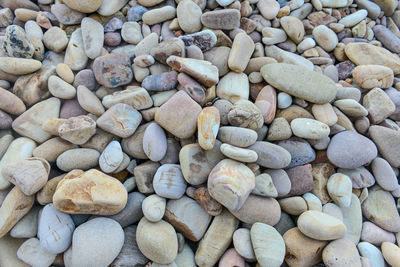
[309, 128]
[19, 66]
[339, 188]
[320, 226]
[241, 51]
[207, 127]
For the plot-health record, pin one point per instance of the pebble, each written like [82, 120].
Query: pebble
[245, 114]
[287, 57]
[269, 246]
[354, 18]
[309, 128]
[121, 120]
[302, 250]
[189, 14]
[157, 241]
[137, 97]
[205, 40]
[16, 44]
[230, 176]
[27, 227]
[360, 177]
[179, 115]
[78, 158]
[273, 36]
[371, 76]
[153, 208]
[241, 51]
[112, 70]
[293, 205]
[226, 90]
[361, 152]
[188, 217]
[93, 37]
[293, 27]
[132, 212]
[84, 7]
[66, 15]
[320, 226]
[30, 175]
[33, 254]
[19, 66]
[154, 142]
[131, 32]
[99, 236]
[75, 56]
[55, 230]
[242, 244]
[109, 8]
[65, 73]
[111, 157]
[387, 218]
[378, 104]
[60, 88]
[339, 188]
[391, 253]
[268, 8]
[231, 258]
[351, 107]
[375, 235]
[264, 186]
[341, 252]
[208, 125]
[372, 253]
[77, 130]
[89, 101]
[168, 181]
[279, 129]
[225, 19]
[386, 141]
[160, 82]
[270, 155]
[325, 37]
[301, 180]
[11, 104]
[384, 174]
[107, 196]
[288, 78]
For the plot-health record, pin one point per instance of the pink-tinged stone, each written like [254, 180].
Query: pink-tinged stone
[194, 89]
[301, 180]
[5, 120]
[231, 259]
[71, 108]
[179, 115]
[154, 142]
[266, 102]
[375, 235]
[230, 183]
[208, 126]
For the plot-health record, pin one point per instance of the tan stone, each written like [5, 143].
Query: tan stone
[321, 173]
[324, 113]
[371, 76]
[208, 125]
[90, 192]
[320, 226]
[391, 253]
[379, 105]
[45, 195]
[77, 130]
[241, 51]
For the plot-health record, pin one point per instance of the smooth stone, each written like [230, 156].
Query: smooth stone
[78, 158]
[77, 130]
[168, 181]
[379, 105]
[55, 39]
[339, 188]
[8, 251]
[65, 73]
[11, 103]
[71, 108]
[189, 14]
[309, 128]
[99, 236]
[293, 27]
[14, 207]
[167, 48]
[300, 150]
[27, 227]
[270, 155]
[266, 102]
[160, 82]
[391, 253]
[269, 246]
[55, 230]
[237, 136]
[372, 253]
[245, 114]
[341, 252]
[360, 177]
[131, 32]
[371, 76]
[45, 195]
[179, 115]
[29, 123]
[302, 250]
[157, 241]
[320, 226]
[135, 13]
[367, 54]
[268, 8]
[197, 163]
[242, 244]
[351, 107]
[194, 89]
[93, 37]
[111, 157]
[30, 175]
[137, 97]
[233, 87]
[354, 18]
[301, 180]
[208, 125]
[333, 210]
[108, 8]
[375, 235]
[154, 142]
[231, 258]
[16, 44]
[361, 152]
[325, 37]
[112, 70]
[387, 142]
[230, 176]
[33, 254]
[158, 15]
[19, 66]
[293, 205]
[259, 209]
[144, 174]
[89, 101]
[373, 9]
[107, 196]
[192, 226]
[216, 240]
[224, 19]
[241, 51]
[287, 57]
[19, 149]
[60, 88]
[86, 78]
[388, 217]
[185, 257]
[66, 15]
[352, 219]
[121, 120]
[289, 78]
[132, 212]
[75, 56]
[153, 207]
[264, 186]
[384, 174]
[84, 7]
[281, 181]
[203, 71]
[204, 40]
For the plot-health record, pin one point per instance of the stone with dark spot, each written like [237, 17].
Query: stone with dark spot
[113, 70]
[205, 40]
[161, 82]
[16, 44]
[193, 88]
[113, 25]
[300, 150]
[345, 69]
[301, 180]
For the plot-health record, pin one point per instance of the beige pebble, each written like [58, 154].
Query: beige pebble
[324, 113]
[320, 226]
[45, 195]
[77, 130]
[89, 101]
[339, 188]
[378, 104]
[309, 128]
[19, 66]
[371, 76]
[60, 88]
[233, 87]
[341, 252]
[153, 207]
[241, 51]
[273, 36]
[51, 125]
[242, 244]
[158, 15]
[65, 72]
[208, 125]
[293, 205]
[279, 129]
[351, 107]
[391, 253]
[239, 154]
[325, 37]
[293, 27]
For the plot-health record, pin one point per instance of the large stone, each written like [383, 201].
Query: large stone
[16, 43]
[84, 6]
[341, 252]
[113, 70]
[300, 82]
[388, 143]
[93, 37]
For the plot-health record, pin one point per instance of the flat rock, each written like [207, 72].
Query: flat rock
[16, 44]
[75, 56]
[33, 254]
[66, 15]
[93, 37]
[77, 158]
[320, 226]
[270, 155]
[341, 252]
[317, 88]
[301, 180]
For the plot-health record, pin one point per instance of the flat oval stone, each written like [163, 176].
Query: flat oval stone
[19, 66]
[208, 125]
[111, 157]
[78, 158]
[372, 253]
[230, 183]
[239, 154]
[371, 76]
[157, 241]
[93, 37]
[99, 236]
[113, 70]
[75, 56]
[300, 150]
[320, 226]
[362, 150]
[269, 246]
[107, 196]
[154, 142]
[339, 188]
[270, 155]
[384, 174]
[85, 7]
[242, 244]
[233, 87]
[309, 128]
[237, 136]
[193, 88]
[317, 88]
[225, 19]
[168, 181]
[188, 14]
[55, 230]
[153, 207]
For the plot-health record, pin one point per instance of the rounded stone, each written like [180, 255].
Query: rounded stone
[325, 37]
[384, 174]
[242, 244]
[270, 155]
[154, 142]
[320, 226]
[168, 181]
[341, 252]
[339, 187]
[111, 157]
[78, 158]
[309, 128]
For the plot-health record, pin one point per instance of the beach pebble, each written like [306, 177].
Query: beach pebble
[371, 76]
[154, 142]
[189, 14]
[341, 252]
[309, 128]
[231, 176]
[77, 158]
[375, 235]
[268, 8]
[111, 157]
[16, 44]
[168, 181]
[378, 104]
[33, 254]
[384, 174]
[265, 186]
[339, 188]
[391, 253]
[239, 154]
[77, 130]
[75, 56]
[153, 208]
[325, 37]
[27, 227]
[372, 253]
[208, 125]
[226, 90]
[241, 51]
[242, 244]
[224, 19]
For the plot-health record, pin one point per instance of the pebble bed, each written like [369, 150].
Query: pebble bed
[183, 133]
